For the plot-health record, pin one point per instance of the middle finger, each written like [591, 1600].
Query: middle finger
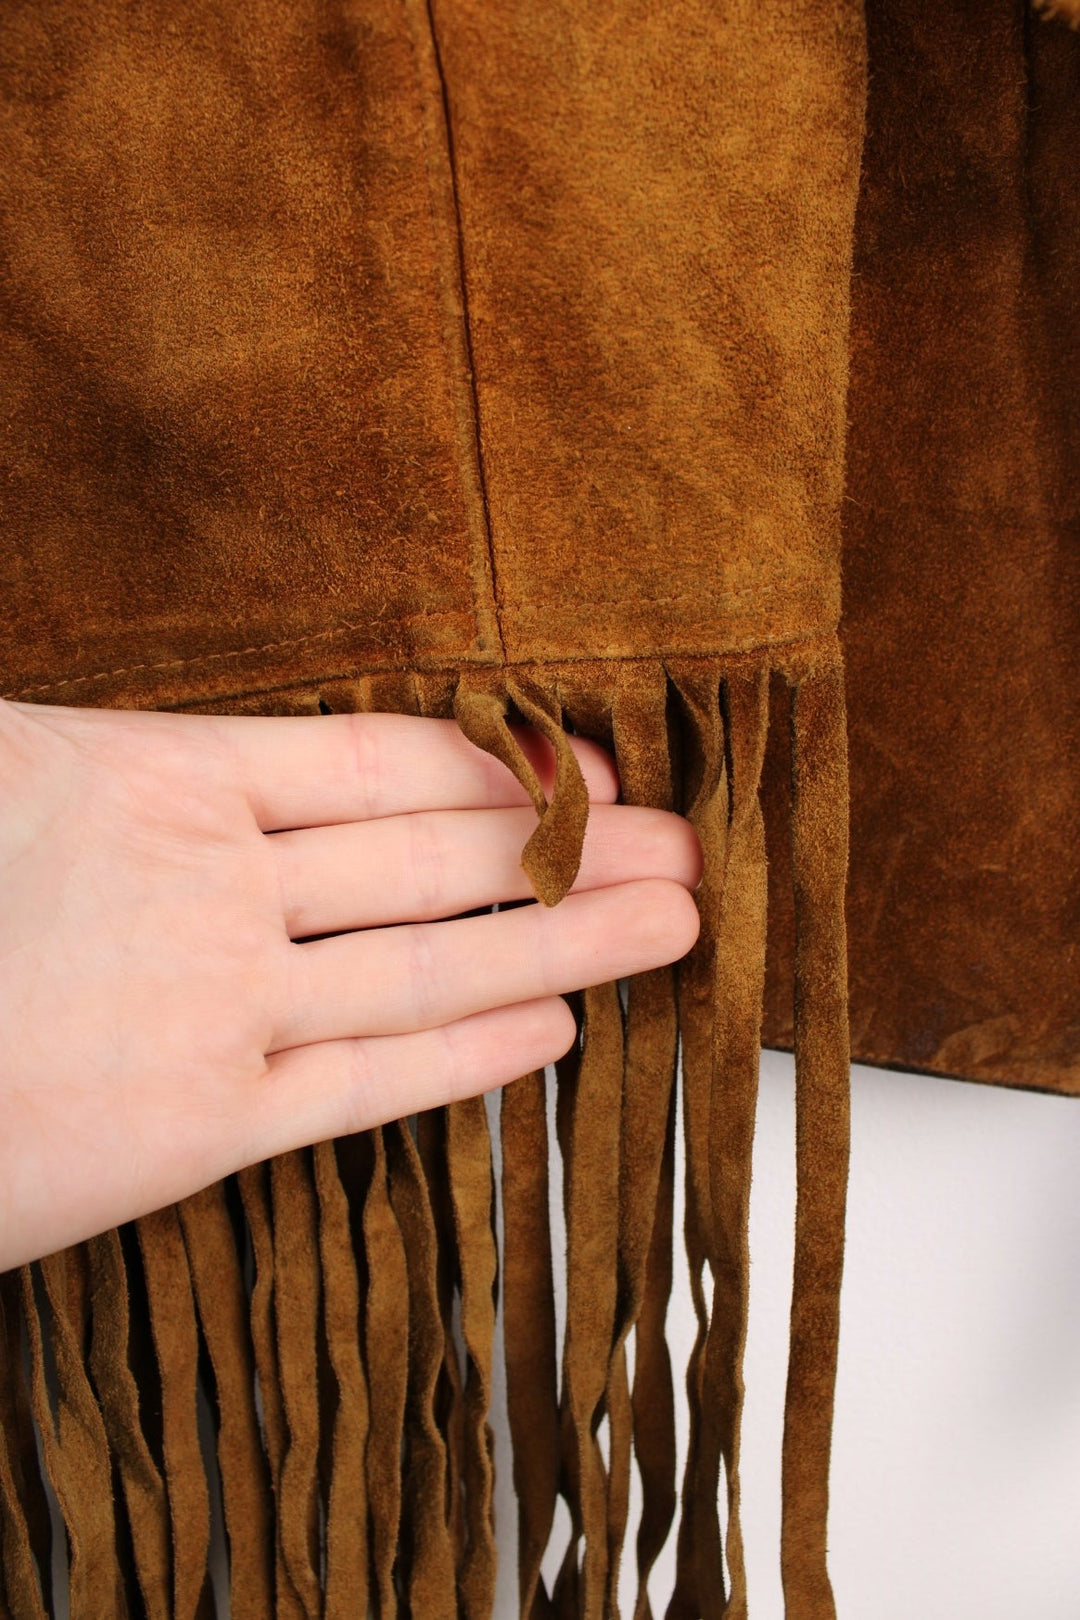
[432, 864]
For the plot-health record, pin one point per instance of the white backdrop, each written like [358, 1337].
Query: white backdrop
[956, 1455]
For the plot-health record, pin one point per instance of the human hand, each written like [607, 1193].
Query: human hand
[165, 1016]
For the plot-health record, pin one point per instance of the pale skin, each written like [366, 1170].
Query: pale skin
[165, 1015]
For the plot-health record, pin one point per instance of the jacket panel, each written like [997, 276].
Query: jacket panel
[237, 429]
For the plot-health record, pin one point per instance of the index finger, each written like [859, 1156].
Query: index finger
[312, 771]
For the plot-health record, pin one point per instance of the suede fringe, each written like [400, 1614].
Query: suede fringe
[337, 1305]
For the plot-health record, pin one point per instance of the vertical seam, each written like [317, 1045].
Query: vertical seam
[467, 324]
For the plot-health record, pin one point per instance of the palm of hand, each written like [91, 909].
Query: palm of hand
[166, 1015]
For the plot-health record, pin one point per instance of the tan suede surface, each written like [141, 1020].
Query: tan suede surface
[492, 361]
[961, 626]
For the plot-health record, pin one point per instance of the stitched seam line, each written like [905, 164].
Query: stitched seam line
[702, 597]
[467, 325]
[776, 654]
[345, 626]
[237, 652]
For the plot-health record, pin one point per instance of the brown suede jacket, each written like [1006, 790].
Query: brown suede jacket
[700, 376]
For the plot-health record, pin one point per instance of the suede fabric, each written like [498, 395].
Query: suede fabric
[345, 1248]
[961, 561]
[236, 424]
[492, 362]
[243, 391]
[637, 312]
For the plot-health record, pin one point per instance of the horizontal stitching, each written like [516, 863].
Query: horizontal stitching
[704, 596]
[340, 629]
[209, 658]
[778, 644]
